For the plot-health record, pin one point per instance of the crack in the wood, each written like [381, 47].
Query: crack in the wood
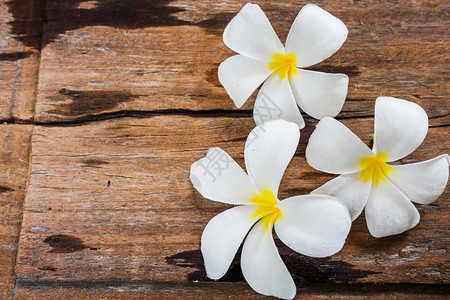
[212, 113]
[439, 126]
[350, 71]
[353, 117]
[137, 114]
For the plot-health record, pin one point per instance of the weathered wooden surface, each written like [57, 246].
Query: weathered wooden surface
[141, 56]
[127, 98]
[113, 199]
[14, 162]
[223, 290]
[21, 24]
[20, 39]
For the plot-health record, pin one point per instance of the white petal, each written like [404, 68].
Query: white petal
[275, 101]
[222, 237]
[315, 35]
[319, 94]
[333, 148]
[268, 150]
[218, 177]
[241, 76]
[421, 182]
[400, 127]
[313, 225]
[388, 211]
[250, 33]
[350, 190]
[262, 266]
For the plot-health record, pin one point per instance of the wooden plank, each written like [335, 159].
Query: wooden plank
[223, 290]
[20, 41]
[20, 36]
[14, 158]
[110, 211]
[146, 56]
[111, 201]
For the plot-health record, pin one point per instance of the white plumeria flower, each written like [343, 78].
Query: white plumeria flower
[314, 36]
[313, 225]
[386, 191]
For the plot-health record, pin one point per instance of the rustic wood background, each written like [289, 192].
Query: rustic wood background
[105, 104]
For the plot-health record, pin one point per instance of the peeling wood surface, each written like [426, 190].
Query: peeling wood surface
[118, 98]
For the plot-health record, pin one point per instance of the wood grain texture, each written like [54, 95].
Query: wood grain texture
[223, 290]
[111, 201]
[21, 24]
[164, 55]
[127, 98]
[14, 162]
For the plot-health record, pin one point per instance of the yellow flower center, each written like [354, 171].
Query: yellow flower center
[374, 167]
[283, 64]
[267, 210]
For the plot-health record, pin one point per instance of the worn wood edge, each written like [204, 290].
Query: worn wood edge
[116, 288]
[27, 182]
[18, 166]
